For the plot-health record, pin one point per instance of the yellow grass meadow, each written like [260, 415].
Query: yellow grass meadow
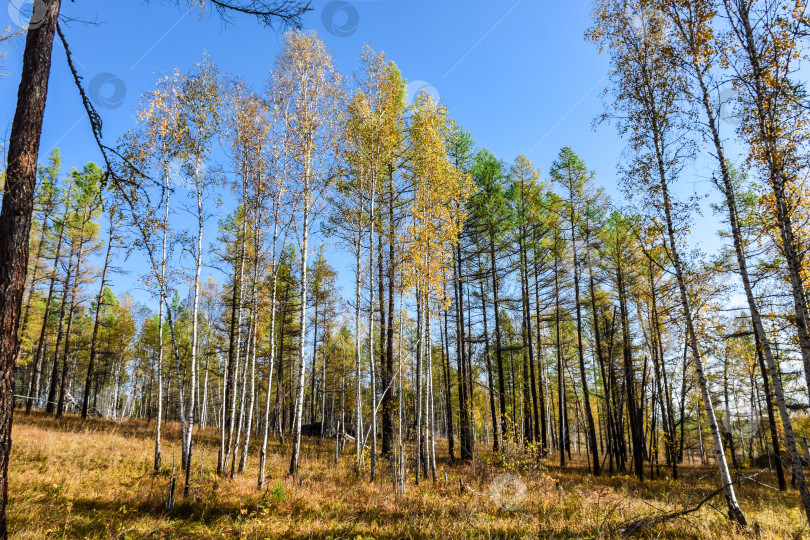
[94, 479]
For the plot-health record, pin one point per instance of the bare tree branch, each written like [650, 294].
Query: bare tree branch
[269, 12]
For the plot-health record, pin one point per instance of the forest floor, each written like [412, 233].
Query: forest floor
[94, 479]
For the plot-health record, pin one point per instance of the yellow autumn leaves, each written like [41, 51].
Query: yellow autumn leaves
[440, 191]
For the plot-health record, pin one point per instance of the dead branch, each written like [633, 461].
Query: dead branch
[638, 524]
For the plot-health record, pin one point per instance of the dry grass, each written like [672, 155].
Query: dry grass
[94, 479]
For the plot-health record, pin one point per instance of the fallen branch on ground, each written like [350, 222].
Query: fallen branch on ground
[638, 524]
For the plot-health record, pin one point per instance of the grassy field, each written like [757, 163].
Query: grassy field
[94, 479]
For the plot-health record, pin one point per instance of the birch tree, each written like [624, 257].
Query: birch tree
[199, 118]
[22, 157]
[309, 90]
[645, 88]
[692, 25]
[763, 49]
[154, 146]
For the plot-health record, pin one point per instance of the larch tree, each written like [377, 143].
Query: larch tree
[525, 196]
[323, 298]
[489, 222]
[460, 147]
[573, 176]
[347, 223]
[620, 251]
[49, 201]
[438, 214]
[44, 205]
[113, 242]
[62, 224]
[82, 239]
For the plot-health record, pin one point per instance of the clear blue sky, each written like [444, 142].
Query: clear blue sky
[517, 74]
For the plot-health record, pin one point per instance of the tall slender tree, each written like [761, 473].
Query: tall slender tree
[571, 173]
[306, 86]
[692, 26]
[646, 89]
[199, 118]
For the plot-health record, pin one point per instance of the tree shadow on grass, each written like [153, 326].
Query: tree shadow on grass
[93, 517]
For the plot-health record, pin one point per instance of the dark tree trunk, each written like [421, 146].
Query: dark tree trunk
[388, 363]
[527, 318]
[33, 394]
[383, 377]
[97, 322]
[666, 398]
[279, 414]
[68, 331]
[636, 434]
[528, 427]
[586, 395]
[463, 390]
[682, 420]
[600, 361]
[312, 417]
[492, 407]
[418, 396]
[780, 473]
[448, 394]
[234, 354]
[16, 215]
[727, 434]
[616, 405]
[563, 433]
[542, 397]
[50, 405]
[498, 348]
